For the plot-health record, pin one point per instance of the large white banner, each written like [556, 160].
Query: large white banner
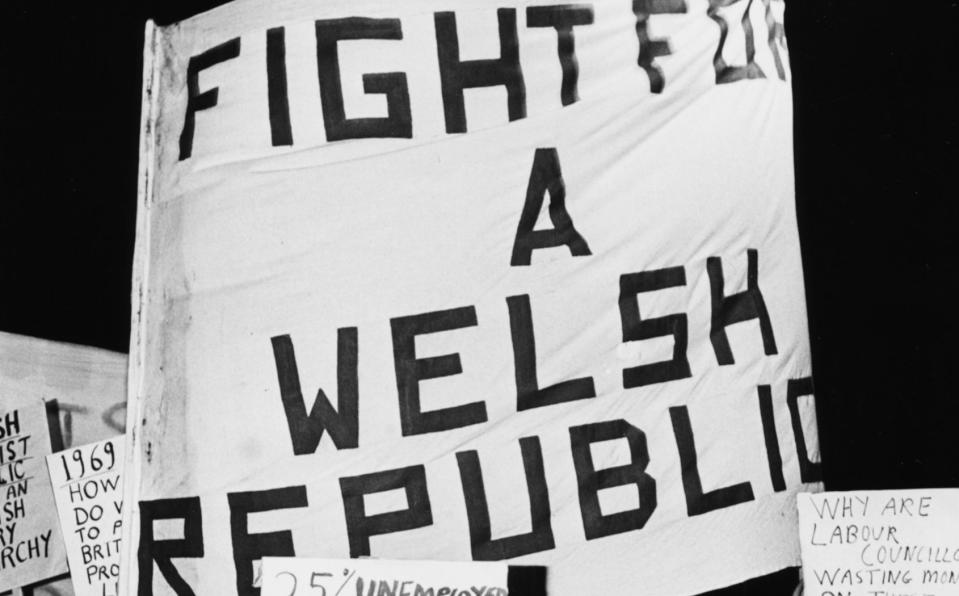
[31, 546]
[469, 280]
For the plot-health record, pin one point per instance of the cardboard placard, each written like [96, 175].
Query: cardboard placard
[87, 484]
[880, 543]
[296, 576]
[89, 386]
[31, 547]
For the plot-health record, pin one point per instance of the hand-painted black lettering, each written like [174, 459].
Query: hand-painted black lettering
[483, 546]
[398, 122]
[360, 526]
[590, 480]
[115, 416]
[281, 132]
[457, 75]
[563, 17]
[546, 176]
[196, 100]
[637, 329]
[251, 547]
[649, 48]
[809, 471]
[698, 502]
[343, 425]
[744, 306]
[528, 393]
[777, 38]
[773, 455]
[151, 550]
[724, 72]
[410, 370]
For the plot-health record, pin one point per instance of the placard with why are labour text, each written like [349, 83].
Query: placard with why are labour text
[880, 543]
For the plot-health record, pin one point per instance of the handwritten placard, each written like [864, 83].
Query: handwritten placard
[87, 483]
[880, 543]
[293, 576]
[31, 548]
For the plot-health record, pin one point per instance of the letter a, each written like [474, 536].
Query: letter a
[546, 177]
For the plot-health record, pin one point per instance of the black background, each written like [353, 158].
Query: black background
[875, 126]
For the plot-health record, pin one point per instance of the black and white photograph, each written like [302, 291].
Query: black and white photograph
[478, 298]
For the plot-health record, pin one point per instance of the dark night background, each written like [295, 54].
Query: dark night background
[875, 126]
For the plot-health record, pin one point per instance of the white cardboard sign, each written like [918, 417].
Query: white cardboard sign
[87, 484]
[296, 576]
[31, 548]
[880, 543]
